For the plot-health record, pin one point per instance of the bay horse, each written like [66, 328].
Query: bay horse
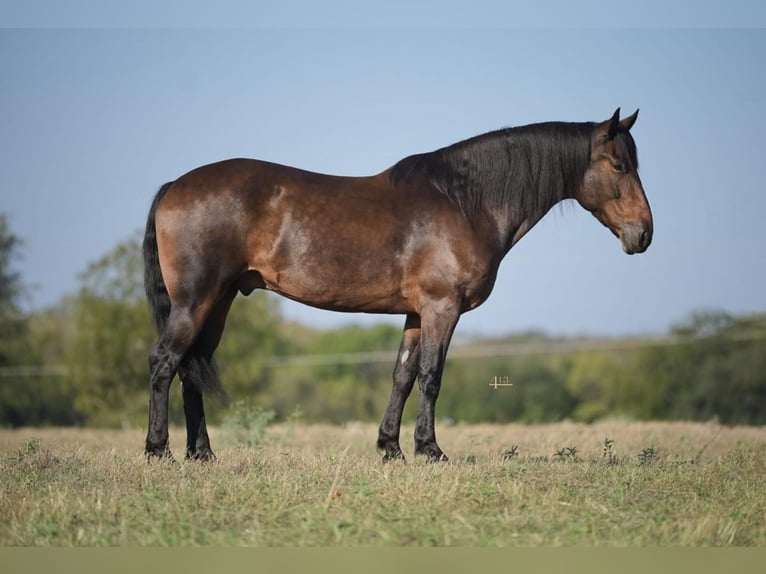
[423, 238]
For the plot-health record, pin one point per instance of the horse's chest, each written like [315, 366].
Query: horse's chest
[478, 288]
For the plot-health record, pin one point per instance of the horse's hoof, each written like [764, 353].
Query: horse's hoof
[390, 448]
[432, 453]
[159, 455]
[394, 456]
[438, 458]
[202, 455]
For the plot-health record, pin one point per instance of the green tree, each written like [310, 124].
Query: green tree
[252, 337]
[537, 393]
[594, 382]
[30, 394]
[337, 392]
[717, 370]
[113, 333]
[12, 323]
[13, 349]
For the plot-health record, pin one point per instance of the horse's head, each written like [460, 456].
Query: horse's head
[612, 190]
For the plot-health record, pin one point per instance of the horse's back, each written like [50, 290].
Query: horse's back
[256, 176]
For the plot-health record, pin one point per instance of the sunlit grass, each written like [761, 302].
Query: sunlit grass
[326, 486]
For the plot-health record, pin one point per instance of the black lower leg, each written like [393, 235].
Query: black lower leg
[197, 440]
[162, 364]
[405, 372]
[438, 327]
[388, 434]
[425, 430]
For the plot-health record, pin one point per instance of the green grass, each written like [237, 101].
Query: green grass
[655, 484]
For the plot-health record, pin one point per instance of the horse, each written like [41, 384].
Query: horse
[424, 239]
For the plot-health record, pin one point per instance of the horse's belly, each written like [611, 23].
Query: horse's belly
[326, 264]
[363, 295]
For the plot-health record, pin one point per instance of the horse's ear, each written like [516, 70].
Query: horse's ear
[614, 124]
[608, 129]
[628, 122]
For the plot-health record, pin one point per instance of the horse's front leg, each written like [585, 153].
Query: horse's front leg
[438, 323]
[405, 371]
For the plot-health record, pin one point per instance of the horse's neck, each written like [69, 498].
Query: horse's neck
[512, 226]
[543, 181]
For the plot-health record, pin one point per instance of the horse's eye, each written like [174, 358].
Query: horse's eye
[618, 167]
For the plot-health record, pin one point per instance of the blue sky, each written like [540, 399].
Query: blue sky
[94, 120]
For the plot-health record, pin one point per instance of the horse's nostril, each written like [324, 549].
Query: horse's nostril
[643, 238]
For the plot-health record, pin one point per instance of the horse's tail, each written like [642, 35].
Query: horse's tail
[197, 365]
[156, 292]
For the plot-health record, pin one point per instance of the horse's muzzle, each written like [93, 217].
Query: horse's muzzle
[635, 237]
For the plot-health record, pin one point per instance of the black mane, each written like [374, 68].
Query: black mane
[529, 168]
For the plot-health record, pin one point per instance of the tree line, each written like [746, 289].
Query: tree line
[83, 361]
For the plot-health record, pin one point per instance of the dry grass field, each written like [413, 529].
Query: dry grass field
[669, 484]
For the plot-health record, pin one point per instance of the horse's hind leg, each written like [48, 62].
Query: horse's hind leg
[177, 337]
[405, 371]
[197, 440]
